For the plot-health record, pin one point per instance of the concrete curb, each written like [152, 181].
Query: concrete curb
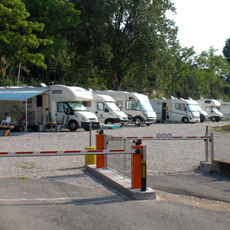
[121, 184]
[205, 166]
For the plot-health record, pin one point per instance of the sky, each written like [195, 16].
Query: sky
[202, 23]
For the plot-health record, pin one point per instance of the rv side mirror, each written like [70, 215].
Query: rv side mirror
[185, 110]
[211, 111]
[67, 110]
[106, 110]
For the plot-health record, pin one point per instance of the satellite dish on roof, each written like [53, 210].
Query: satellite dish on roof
[43, 85]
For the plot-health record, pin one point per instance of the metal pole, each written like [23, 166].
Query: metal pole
[206, 145]
[105, 156]
[26, 115]
[212, 148]
[90, 124]
[124, 146]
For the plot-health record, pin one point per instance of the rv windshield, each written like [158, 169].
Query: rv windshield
[198, 108]
[212, 109]
[215, 109]
[146, 106]
[76, 106]
[112, 106]
[192, 108]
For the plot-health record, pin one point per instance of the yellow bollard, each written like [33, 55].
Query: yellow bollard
[90, 159]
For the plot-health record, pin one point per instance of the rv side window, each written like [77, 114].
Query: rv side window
[100, 106]
[120, 104]
[180, 106]
[87, 103]
[132, 105]
[207, 102]
[209, 109]
[129, 105]
[60, 107]
[56, 91]
[63, 107]
[136, 106]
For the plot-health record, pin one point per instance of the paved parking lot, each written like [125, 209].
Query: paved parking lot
[57, 192]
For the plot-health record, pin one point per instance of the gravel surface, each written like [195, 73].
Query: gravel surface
[163, 157]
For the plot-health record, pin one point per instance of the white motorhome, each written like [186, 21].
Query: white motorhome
[135, 105]
[212, 107]
[178, 110]
[53, 101]
[225, 109]
[106, 109]
[203, 114]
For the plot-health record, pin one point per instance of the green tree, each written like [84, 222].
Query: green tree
[226, 50]
[194, 76]
[122, 40]
[17, 37]
[60, 20]
[212, 71]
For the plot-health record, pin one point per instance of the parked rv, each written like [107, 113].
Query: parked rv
[135, 105]
[53, 101]
[106, 109]
[212, 107]
[225, 109]
[176, 110]
[203, 114]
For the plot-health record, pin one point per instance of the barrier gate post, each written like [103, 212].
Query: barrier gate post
[136, 171]
[100, 144]
[143, 170]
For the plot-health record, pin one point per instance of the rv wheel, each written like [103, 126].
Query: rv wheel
[185, 120]
[138, 121]
[73, 125]
[213, 119]
[109, 121]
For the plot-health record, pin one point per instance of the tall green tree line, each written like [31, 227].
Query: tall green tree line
[106, 44]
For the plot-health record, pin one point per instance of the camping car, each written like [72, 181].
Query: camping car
[135, 105]
[212, 107]
[177, 110]
[225, 109]
[53, 101]
[106, 109]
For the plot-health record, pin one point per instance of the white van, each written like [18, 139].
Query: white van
[135, 105]
[106, 109]
[178, 110]
[212, 107]
[53, 101]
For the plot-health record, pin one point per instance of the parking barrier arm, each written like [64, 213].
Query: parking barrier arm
[67, 153]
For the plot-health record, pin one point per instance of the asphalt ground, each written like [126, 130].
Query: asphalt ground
[38, 204]
[203, 185]
[46, 203]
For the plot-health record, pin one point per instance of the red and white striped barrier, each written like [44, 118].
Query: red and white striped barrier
[67, 153]
[164, 136]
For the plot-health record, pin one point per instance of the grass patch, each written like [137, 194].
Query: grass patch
[226, 119]
[27, 165]
[221, 128]
[20, 177]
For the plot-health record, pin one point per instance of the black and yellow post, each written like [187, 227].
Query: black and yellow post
[143, 175]
[144, 169]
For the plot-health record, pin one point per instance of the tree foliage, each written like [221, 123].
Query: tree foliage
[123, 45]
[60, 19]
[226, 50]
[123, 39]
[17, 37]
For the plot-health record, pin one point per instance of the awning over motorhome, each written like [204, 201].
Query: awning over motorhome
[20, 94]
